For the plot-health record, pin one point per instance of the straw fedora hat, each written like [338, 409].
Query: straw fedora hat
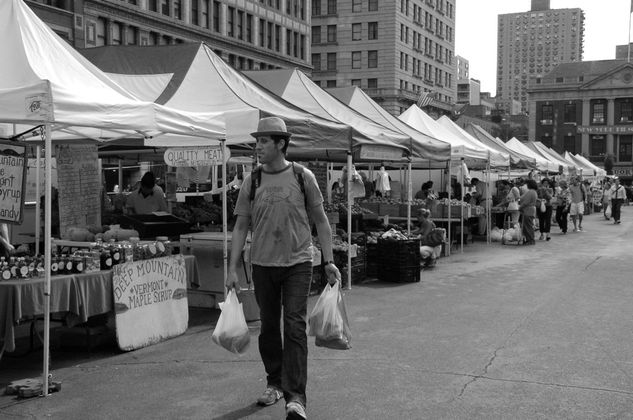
[270, 126]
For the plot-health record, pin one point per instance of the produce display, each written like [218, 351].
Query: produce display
[341, 207]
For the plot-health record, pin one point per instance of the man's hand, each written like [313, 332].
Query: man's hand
[333, 275]
[232, 281]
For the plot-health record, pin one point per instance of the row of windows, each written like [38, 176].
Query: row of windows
[371, 83]
[623, 110]
[624, 150]
[431, 49]
[331, 6]
[431, 74]
[357, 57]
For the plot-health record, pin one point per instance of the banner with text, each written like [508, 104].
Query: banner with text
[12, 176]
[150, 301]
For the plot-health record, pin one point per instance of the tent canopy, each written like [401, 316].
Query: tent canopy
[598, 170]
[542, 164]
[497, 159]
[295, 87]
[563, 165]
[426, 147]
[47, 81]
[192, 76]
[461, 148]
[517, 160]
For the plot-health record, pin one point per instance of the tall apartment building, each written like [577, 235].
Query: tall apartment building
[394, 50]
[463, 67]
[248, 34]
[530, 44]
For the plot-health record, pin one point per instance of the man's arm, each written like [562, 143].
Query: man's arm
[240, 230]
[324, 233]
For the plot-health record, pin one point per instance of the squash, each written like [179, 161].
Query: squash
[79, 234]
[119, 234]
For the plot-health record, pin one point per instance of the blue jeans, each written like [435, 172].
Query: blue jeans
[286, 362]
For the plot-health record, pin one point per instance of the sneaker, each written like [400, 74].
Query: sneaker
[270, 396]
[295, 411]
[575, 230]
[580, 229]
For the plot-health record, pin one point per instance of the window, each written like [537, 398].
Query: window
[230, 22]
[372, 30]
[330, 84]
[626, 112]
[331, 7]
[240, 25]
[295, 44]
[356, 59]
[597, 145]
[372, 59]
[164, 7]
[357, 5]
[569, 113]
[373, 5]
[316, 7]
[288, 40]
[277, 38]
[262, 32]
[356, 31]
[302, 53]
[177, 9]
[115, 30]
[598, 112]
[216, 16]
[152, 5]
[194, 13]
[100, 32]
[625, 149]
[316, 34]
[356, 82]
[249, 28]
[331, 33]
[547, 114]
[569, 143]
[372, 83]
[331, 61]
[316, 62]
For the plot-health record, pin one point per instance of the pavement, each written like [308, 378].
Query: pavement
[495, 332]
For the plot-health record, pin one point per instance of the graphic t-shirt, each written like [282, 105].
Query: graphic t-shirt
[281, 234]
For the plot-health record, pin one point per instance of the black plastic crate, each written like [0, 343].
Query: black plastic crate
[401, 274]
[372, 260]
[399, 252]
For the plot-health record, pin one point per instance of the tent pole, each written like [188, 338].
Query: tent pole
[349, 220]
[47, 254]
[448, 233]
[38, 193]
[461, 233]
[409, 198]
[225, 239]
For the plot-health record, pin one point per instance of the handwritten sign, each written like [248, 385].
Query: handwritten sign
[195, 156]
[32, 181]
[379, 152]
[12, 176]
[78, 175]
[150, 301]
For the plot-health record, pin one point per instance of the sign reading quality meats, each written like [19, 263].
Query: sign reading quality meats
[150, 301]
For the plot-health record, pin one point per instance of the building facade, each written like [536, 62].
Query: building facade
[469, 91]
[530, 44]
[394, 50]
[586, 108]
[248, 34]
[463, 68]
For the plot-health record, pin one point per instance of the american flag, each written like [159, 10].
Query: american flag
[425, 98]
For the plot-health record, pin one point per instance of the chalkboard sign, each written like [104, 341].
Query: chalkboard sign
[12, 181]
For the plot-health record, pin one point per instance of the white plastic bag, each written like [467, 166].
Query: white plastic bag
[328, 320]
[231, 331]
[607, 212]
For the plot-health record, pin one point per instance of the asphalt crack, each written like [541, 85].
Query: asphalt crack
[595, 260]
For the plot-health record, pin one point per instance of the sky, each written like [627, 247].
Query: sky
[606, 25]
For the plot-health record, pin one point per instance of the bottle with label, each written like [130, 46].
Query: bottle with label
[23, 268]
[127, 253]
[137, 252]
[13, 267]
[163, 245]
[105, 259]
[78, 263]
[5, 271]
[54, 265]
[115, 252]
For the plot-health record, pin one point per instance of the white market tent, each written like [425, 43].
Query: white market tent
[600, 172]
[584, 169]
[496, 158]
[49, 84]
[461, 149]
[542, 164]
[517, 160]
[192, 77]
[563, 165]
[295, 87]
[425, 146]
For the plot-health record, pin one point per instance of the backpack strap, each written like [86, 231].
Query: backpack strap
[256, 179]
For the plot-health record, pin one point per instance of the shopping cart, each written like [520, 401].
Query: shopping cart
[512, 232]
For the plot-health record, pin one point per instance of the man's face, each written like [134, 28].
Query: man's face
[146, 190]
[267, 150]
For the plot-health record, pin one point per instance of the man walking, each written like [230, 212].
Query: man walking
[276, 200]
[577, 206]
[618, 195]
